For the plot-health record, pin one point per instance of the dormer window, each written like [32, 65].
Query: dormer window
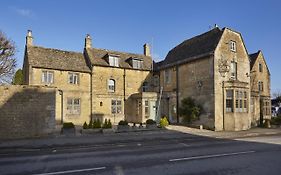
[137, 63]
[113, 60]
[233, 46]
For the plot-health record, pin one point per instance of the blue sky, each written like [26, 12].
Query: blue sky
[125, 25]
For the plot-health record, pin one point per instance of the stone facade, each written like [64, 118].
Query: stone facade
[213, 68]
[27, 111]
[260, 89]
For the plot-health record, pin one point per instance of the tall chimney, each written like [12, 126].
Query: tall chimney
[88, 41]
[146, 50]
[29, 38]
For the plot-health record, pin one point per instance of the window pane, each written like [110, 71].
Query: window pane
[118, 102]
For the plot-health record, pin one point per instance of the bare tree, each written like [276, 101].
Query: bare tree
[7, 59]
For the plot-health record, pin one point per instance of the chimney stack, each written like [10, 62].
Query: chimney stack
[88, 41]
[29, 38]
[146, 50]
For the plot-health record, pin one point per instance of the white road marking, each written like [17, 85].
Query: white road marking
[186, 145]
[210, 156]
[72, 171]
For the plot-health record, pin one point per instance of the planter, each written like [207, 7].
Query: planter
[123, 128]
[91, 131]
[151, 126]
[107, 130]
[68, 131]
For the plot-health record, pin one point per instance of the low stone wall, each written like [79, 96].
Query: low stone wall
[26, 111]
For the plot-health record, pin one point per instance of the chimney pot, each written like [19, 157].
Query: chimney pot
[88, 41]
[146, 50]
[29, 38]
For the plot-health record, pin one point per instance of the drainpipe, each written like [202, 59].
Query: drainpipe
[124, 91]
[61, 94]
[91, 94]
[177, 91]
[224, 105]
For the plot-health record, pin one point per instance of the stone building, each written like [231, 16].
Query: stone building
[97, 83]
[213, 68]
[260, 89]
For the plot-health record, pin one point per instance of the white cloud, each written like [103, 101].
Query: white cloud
[23, 12]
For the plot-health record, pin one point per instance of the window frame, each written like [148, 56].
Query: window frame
[233, 46]
[233, 70]
[137, 64]
[260, 67]
[145, 86]
[116, 106]
[72, 108]
[73, 74]
[113, 61]
[146, 108]
[229, 101]
[111, 87]
[167, 76]
[46, 76]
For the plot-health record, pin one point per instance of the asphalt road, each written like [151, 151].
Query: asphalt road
[185, 154]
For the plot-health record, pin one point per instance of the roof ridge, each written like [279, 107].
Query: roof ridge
[107, 50]
[55, 49]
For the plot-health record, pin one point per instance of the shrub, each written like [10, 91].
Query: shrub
[123, 122]
[276, 120]
[67, 125]
[164, 122]
[189, 110]
[150, 122]
[97, 123]
[109, 125]
[105, 124]
[90, 126]
[85, 126]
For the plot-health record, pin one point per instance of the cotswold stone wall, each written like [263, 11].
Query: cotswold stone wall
[26, 111]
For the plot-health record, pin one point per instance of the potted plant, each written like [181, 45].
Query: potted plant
[68, 128]
[150, 124]
[107, 126]
[123, 126]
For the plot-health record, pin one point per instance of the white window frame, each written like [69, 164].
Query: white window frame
[111, 84]
[233, 46]
[113, 61]
[229, 98]
[47, 77]
[167, 76]
[146, 108]
[73, 106]
[73, 78]
[233, 70]
[137, 64]
[116, 106]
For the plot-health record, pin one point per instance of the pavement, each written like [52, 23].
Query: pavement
[171, 132]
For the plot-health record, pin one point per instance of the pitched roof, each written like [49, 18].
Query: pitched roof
[56, 59]
[253, 58]
[194, 47]
[98, 58]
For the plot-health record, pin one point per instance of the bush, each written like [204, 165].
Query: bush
[68, 125]
[150, 122]
[164, 122]
[97, 123]
[90, 126]
[85, 126]
[189, 110]
[123, 122]
[107, 124]
[276, 120]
